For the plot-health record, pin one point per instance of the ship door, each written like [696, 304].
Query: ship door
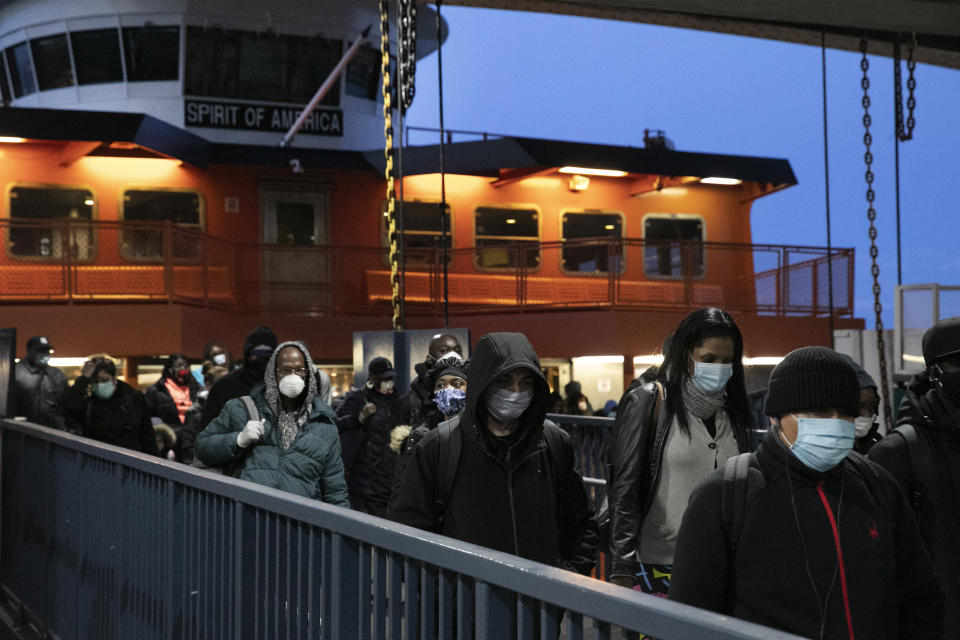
[295, 261]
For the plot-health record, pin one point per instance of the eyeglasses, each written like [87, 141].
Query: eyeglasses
[286, 371]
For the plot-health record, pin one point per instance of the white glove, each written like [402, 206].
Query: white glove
[250, 434]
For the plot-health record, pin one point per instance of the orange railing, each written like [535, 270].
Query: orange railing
[76, 261]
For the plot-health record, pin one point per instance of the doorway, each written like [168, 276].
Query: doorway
[295, 259]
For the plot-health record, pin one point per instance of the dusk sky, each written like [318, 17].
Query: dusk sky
[602, 81]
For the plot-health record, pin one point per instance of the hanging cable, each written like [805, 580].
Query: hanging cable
[872, 216]
[901, 132]
[826, 178]
[443, 168]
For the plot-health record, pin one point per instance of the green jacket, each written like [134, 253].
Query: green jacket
[311, 467]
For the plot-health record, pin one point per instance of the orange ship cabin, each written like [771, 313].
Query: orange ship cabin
[121, 211]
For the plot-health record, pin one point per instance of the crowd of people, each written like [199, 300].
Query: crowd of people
[827, 529]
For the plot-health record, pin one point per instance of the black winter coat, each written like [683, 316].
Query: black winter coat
[160, 403]
[507, 494]
[121, 420]
[636, 454]
[939, 514]
[362, 445]
[40, 394]
[789, 539]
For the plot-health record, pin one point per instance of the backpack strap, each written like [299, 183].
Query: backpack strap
[868, 471]
[920, 463]
[733, 502]
[449, 445]
[252, 413]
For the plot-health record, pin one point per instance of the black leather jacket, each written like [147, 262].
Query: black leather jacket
[636, 453]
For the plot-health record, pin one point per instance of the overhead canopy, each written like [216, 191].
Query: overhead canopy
[936, 23]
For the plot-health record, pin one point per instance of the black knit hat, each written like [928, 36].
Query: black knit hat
[813, 378]
[942, 340]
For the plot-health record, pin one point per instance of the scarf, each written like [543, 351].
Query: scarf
[289, 422]
[703, 405]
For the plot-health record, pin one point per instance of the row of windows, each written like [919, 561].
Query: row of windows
[33, 241]
[505, 237]
[219, 63]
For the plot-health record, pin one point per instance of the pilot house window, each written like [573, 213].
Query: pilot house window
[152, 53]
[44, 222]
[588, 245]
[143, 241]
[673, 246]
[507, 237]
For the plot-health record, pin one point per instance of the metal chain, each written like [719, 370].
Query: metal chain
[872, 216]
[904, 133]
[407, 45]
[388, 157]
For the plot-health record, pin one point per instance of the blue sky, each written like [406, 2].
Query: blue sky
[603, 81]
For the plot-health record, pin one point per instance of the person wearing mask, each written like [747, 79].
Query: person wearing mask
[576, 404]
[173, 394]
[40, 390]
[216, 353]
[826, 545]
[364, 424]
[514, 486]
[448, 378]
[667, 437]
[191, 422]
[867, 426]
[407, 410]
[257, 350]
[923, 454]
[294, 446]
[110, 410]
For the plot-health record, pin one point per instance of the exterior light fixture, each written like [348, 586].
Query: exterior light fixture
[579, 182]
[606, 173]
[12, 139]
[511, 221]
[730, 182]
[88, 202]
[609, 227]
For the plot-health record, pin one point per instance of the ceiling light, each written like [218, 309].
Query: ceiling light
[730, 182]
[768, 361]
[511, 221]
[12, 139]
[88, 202]
[607, 173]
[609, 227]
[653, 359]
[597, 360]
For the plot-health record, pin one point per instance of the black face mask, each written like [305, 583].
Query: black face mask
[949, 383]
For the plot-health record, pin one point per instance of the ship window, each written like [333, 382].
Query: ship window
[21, 70]
[363, 74]
[152, 53]
[311, 61]
[673, 246]
[506, 237]
[5, 95]
[422, 232]
[212, 59]
[96, 55]
[31, 234]
[52, 59]
[183, 208]
[286, 68]
[586, 242]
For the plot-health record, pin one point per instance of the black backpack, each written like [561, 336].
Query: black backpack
[921, 463]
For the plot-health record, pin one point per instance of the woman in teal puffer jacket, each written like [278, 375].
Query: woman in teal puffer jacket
[295, 446]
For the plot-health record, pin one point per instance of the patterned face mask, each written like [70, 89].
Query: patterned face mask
[450, 400]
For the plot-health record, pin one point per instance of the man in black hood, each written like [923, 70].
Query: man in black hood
[513, 490]
[257, 350]
[928, 471]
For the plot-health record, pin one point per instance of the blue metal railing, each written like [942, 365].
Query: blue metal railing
[100, 542]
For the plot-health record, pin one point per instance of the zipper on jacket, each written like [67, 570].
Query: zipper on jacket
[842, 569]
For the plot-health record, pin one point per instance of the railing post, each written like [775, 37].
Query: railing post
[168, 260]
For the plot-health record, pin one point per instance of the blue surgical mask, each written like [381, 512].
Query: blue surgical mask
[506, 405]
[450, 400]
[104, 390]
[823, 443]
[712, 377]
[42, 359]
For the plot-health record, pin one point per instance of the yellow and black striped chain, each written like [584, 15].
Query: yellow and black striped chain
[872, 217]
[391, 211]
[904, 132]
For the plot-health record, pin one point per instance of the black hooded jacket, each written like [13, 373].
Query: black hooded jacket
[238, 382]
[789, 539]
[507, 493]
[40, 394]
[120, 420]
[938, 427]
